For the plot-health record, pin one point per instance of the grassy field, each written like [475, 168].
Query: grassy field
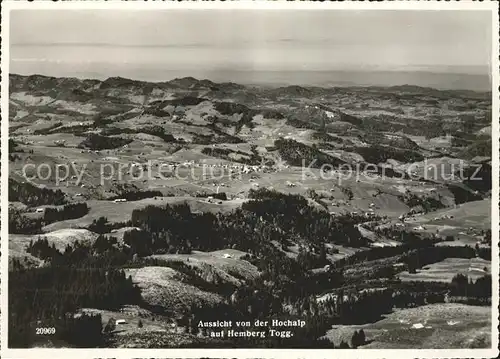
[222, 265]
[475, 214]
[444, 326]
[60, 238]
[445, 270]
[131, 315]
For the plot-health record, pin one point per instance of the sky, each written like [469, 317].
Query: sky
[53, 41]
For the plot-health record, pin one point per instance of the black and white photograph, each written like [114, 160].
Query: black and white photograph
[213, 176]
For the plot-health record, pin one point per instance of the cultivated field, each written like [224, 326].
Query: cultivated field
[433, 326]
[444, 271]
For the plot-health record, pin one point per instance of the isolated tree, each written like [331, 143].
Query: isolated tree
[482, 287]
[459, 283]
[487, 236]
[99, 225]
[140, 325]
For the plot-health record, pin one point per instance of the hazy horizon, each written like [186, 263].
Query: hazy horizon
[251, 46]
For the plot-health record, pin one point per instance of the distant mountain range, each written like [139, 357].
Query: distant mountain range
[442, 81]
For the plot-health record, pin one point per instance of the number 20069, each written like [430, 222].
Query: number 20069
[45, 330]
